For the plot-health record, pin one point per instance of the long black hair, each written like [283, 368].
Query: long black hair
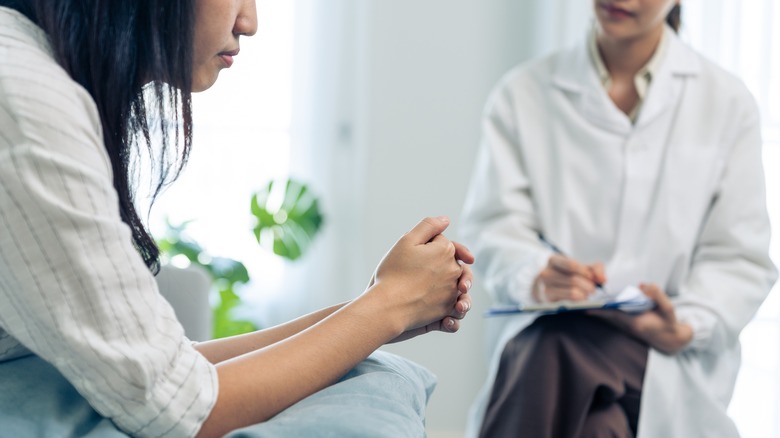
[134, 57]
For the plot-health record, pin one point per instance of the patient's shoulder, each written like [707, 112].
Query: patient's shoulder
[40, 104]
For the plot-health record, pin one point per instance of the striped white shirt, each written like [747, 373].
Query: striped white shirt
[73, 289]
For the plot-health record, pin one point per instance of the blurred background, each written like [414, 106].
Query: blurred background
[375, 105]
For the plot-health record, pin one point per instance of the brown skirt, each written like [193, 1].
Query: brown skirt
[567, 376]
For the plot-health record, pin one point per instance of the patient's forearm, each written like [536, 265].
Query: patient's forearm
[256, 386]
[219, 350]
[416, 285]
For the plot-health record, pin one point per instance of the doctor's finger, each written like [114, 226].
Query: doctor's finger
[571, 281]
[664, 305]
[564, 293]
[599, 275]
[566, 265]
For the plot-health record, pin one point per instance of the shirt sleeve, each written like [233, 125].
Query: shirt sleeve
[731, 272]
[73, 289]
[499, 221]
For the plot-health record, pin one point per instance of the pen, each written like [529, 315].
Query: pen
[549, 244]
[557, 250]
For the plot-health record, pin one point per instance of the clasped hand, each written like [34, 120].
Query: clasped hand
[566, 279]
[429, 276]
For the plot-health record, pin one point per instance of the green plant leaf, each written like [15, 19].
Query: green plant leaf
[225, 274]
[225, 323]
[229, 270]
[293, 224]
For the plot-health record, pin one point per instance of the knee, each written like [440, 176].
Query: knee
[609, 421]
[546, 334]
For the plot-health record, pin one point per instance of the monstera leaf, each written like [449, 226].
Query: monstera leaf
[286, 229]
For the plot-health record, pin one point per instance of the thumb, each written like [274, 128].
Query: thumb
[427, 229]
[651, 291]
[662, 301]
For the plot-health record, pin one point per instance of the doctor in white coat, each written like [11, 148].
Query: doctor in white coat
[642, 161]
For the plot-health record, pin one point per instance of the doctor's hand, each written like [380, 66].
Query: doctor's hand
[659, 327]
[567, 279]
[412, 264]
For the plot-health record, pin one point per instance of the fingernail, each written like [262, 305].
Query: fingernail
[450, 323]
[468, 284]
[444, 219]
[466, 306]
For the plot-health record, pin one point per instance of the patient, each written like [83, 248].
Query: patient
[84, 84]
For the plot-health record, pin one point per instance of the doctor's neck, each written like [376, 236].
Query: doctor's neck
[626, 56]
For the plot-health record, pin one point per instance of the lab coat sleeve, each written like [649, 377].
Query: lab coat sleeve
[731, 272]
[499, 221]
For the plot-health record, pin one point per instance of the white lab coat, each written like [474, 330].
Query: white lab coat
[676, 199]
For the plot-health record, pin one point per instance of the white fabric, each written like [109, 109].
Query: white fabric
[677, 199]
[73, 290]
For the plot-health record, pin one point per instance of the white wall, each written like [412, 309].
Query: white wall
[421, 72]
[429, 66]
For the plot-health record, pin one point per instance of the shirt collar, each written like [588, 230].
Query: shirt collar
[643, 77]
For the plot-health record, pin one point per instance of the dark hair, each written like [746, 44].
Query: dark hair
[134, 57]
[674, 17]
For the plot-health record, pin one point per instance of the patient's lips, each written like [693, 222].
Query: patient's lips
[227, 57]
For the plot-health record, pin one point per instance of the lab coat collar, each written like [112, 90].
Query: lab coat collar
[575, 73]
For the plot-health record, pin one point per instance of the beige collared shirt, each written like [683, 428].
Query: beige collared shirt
[643, 77]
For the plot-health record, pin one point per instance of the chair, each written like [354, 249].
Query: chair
[187, 290]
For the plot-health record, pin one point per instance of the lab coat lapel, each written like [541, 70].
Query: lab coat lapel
[576, 76]
[667, 87]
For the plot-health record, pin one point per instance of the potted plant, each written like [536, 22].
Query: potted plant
[287, 218]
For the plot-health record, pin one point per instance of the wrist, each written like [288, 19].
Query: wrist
[684, 333]
[675, 341]
[380, 311]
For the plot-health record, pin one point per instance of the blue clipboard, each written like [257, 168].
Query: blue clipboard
[637, 303]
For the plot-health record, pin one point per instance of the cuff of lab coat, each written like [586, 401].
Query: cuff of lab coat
[703, 324]
[519, 287]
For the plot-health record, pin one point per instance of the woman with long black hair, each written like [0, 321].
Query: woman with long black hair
[85, 87]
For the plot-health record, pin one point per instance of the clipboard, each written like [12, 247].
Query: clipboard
[630, 300]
